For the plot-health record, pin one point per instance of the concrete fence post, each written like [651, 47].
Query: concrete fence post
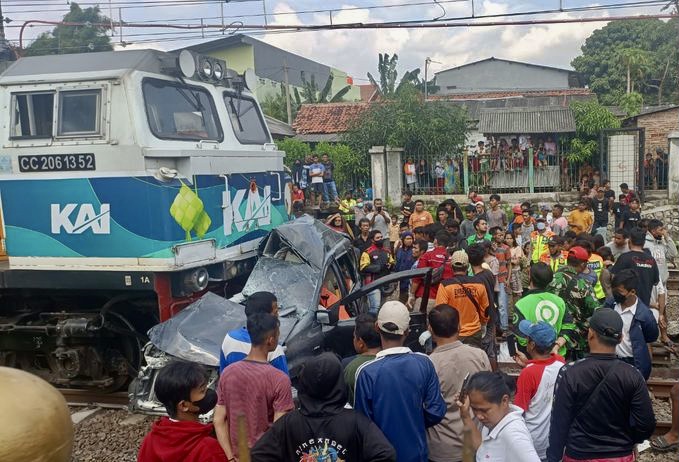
[394, 174]
[673, 172]
[378, 171]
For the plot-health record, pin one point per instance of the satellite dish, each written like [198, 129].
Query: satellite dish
[250, 79]
[187, 64]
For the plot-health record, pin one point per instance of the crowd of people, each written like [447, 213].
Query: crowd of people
[546, 284]
[489, 157]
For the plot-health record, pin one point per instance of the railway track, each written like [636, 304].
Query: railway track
[659, 384]
[75, 397]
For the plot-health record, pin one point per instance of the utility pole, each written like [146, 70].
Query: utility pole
[266, 21]
[6, 52]
[426, 75]
[287, 91]
[427, 62]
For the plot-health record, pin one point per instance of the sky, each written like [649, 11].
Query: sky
[353, 51]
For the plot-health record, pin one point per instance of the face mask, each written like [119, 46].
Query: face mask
[540, 226]
[208, 402]
[619, 298]
[378, 244]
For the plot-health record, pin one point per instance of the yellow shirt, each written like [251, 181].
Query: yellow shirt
[580, 222]
[418, 219]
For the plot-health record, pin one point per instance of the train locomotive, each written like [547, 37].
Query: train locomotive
[131, 182]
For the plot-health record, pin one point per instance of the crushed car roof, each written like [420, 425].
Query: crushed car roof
[311, 239]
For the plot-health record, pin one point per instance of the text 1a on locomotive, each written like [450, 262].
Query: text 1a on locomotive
[130, 181]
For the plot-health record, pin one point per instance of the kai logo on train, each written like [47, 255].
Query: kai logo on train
[78, 218]
[247, 209]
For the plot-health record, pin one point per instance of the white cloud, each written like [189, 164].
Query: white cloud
[356, 50]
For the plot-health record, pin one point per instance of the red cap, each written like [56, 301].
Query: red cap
[579, 252]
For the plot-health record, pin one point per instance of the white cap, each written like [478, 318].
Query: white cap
[396, 313]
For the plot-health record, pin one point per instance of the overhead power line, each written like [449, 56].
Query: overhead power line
[472, 20]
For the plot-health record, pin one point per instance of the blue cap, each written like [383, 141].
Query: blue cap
[542, 333]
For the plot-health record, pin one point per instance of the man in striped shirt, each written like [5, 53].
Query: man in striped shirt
[252, 390]
[236, 344]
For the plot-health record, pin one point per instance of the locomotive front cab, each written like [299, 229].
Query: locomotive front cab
[129, 182]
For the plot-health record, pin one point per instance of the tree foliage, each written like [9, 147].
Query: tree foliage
[590, 119]
[387, 86]
[74, 39]
[276, 106]
[294, 149]
[434, 128]
[349, 165]
[631, 103]
[313, 95]
[647, 48]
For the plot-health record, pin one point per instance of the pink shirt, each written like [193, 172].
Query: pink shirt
[255, 391]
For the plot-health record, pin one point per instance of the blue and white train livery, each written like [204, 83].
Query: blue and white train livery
[129, 182]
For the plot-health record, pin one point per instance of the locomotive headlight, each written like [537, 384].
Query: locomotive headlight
[218, 71]
[187, 63]
[206, 68]
[196, 280]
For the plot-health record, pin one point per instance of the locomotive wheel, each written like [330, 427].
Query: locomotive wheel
[126, 346]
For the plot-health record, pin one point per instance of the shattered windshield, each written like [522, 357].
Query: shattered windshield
[293, 284]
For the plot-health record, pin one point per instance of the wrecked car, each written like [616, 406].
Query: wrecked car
[313, 271]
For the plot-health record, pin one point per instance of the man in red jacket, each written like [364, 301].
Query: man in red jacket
[182, 388]
[434, 258]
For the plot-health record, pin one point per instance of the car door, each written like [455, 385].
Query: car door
[338, 333]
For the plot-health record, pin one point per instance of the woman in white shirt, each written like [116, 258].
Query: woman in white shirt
[503, 436]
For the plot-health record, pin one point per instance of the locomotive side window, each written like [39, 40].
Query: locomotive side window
[246, 118]
[180, 112]
[79, 112]
[32, 115]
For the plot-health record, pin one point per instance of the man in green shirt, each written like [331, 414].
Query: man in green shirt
[481, 234]
[367, 344]
[577, 294]
[539, 305]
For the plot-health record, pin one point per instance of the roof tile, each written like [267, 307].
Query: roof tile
[327, 118]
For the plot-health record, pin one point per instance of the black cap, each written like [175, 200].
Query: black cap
[607, 323]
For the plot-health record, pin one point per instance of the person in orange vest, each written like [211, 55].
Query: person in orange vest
[539, 239]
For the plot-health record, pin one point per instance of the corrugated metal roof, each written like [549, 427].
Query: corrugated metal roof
[278, 127]
[527, 120]
[106, 64]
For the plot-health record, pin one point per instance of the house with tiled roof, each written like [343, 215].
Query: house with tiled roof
[326, 122]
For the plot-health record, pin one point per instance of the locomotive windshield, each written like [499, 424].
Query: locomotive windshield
[180, 112]
[247, 120]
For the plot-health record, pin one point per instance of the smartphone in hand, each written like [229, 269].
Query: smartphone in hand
[463, 389]
[511, 344]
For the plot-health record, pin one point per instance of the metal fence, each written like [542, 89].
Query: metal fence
[497, 168]
[621, 158]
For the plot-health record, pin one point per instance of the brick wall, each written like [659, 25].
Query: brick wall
[658, 125]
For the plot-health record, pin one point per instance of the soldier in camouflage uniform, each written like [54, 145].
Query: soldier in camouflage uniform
[578, 295]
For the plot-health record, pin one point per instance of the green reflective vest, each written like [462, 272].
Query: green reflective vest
[539, 306]
[596, 264]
